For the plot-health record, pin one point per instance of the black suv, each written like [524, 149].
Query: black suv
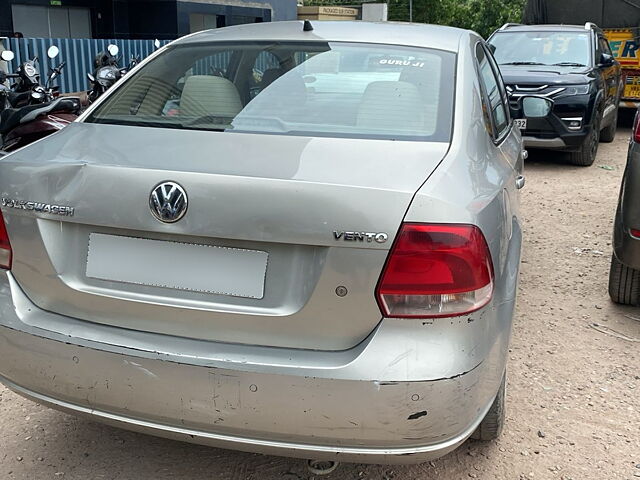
[574, 67]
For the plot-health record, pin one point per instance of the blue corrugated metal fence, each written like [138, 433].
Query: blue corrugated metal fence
[79, 54]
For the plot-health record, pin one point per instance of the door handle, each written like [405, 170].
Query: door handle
[520, 181]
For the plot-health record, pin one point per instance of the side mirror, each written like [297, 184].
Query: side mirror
[156, 43]
[606, 60]
[53, 52]
[536, 107]
[7, 55]
[113, 50]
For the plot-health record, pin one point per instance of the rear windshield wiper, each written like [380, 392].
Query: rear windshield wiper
[523, 63]
[569, 64]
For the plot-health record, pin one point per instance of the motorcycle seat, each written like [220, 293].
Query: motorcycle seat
[10, 118]
[18, 99]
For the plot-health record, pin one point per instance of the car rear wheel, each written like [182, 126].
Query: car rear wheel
[492, 424]
[624, 283]
[608, 134]
[589, 148]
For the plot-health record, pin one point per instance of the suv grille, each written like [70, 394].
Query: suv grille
[516, 91]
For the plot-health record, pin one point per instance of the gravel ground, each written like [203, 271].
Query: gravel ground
[573, 391]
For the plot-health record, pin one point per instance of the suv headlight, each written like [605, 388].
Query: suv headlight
[575, 90]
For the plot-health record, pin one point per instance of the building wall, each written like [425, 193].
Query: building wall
[163, 19]
[280, 9]
[228, 11]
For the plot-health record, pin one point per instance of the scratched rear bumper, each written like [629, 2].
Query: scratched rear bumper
[355, 405]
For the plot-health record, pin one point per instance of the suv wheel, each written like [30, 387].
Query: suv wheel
[492, 424]
[589, 148]
[608, 134]
[624, 283]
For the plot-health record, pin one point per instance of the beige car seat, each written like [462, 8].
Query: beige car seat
[391, 106]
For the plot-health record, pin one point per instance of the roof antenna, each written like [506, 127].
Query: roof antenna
[307, 27]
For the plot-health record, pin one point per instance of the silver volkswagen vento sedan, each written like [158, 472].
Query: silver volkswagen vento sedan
[292, 238]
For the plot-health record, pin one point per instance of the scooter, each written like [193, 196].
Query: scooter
[27, 89]
[29, 111]
[107, 72]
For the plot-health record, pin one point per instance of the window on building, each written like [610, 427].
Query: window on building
[51, 22]
[202, 21]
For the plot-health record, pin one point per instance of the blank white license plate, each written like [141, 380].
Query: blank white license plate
[182, 266]
[521, 123]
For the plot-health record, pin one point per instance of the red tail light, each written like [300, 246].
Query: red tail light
[5, 246]
[636, 128]
[436, 271]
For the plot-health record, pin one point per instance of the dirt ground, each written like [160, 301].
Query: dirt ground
[573, 391]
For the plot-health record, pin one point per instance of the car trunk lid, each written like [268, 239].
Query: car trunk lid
[310, 217]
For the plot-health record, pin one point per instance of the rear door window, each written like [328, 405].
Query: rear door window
[494, 93]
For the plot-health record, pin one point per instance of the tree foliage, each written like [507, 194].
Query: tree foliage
[482, 16]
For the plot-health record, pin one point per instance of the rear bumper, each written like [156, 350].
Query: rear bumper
[367, 404]
[548, 143]
[555, 140]
[384, 455]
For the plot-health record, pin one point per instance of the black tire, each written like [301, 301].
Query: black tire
[624, 283]
[589, 148]
[608, 135]
[492, 424]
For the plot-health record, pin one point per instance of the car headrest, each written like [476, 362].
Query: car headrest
[210, 95]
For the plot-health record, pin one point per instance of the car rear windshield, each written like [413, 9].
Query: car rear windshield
[542, 48]
[315, 89]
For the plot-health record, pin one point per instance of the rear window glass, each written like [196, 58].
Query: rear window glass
[315, 89]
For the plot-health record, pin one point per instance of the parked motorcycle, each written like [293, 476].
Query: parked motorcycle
[28, 110]
[107, 72]
[27, 89]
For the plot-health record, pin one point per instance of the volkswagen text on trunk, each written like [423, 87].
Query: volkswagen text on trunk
[296, 241]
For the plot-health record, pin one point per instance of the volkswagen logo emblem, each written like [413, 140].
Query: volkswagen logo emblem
[168, 202]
